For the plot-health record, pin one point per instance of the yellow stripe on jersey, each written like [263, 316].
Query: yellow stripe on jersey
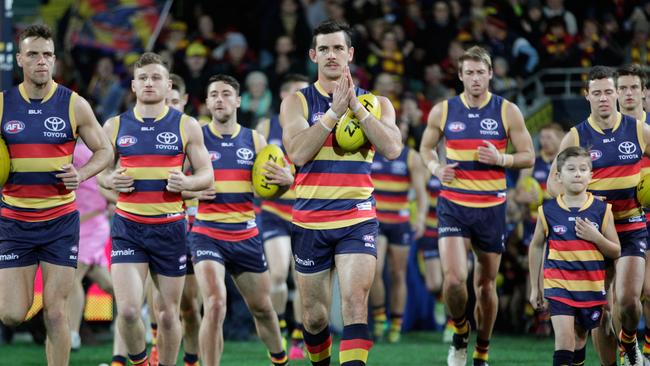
[627, 213]
[328, 153]
[431, 222]
[353, 355]
[392, 206]
[29, 165]
[39, 202]
[326, 225]
[333, 193]
[443, 115]
[256, 140]
[639, 133]
[289, 195]
[160, 173]
[607, 184]
[576, 137]
[181, 129]
[383, 185]
[465, 155]
[233, 186]
[303, 101]
[474, 204]
[285, 216]
[150, 209]
[115, 131]
[73, 118]
[608, 209]
[575, 285]
[504, 115]
[227, 217]
[478, 185]
[575, 255]
[541, 216]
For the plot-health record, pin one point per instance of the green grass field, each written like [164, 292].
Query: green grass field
[422, 348]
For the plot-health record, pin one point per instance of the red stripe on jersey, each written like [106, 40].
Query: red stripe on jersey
[286, 208]
[480, 174]
[151, 197]
[431, 233]
[645, 162]
[473, 144]
[553, 273]
[571, 245]
[149, 220]
[226, 235]
[206, 207]
[467, 197]
[623, 205]
[232, 174]
[148, 161]
[34, 191]
[629, 227]
[41, 150]
[391, 178]
[331, 215]
[578, 304]
[334, 180]
[617, 171]
[391, 217]
[41, 215]
[402, 198]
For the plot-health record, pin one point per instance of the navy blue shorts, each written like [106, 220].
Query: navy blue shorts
[53, 241]
[314, 250]
[163, 246]
[237, 256]
[634, 243]
[273, 226]
[588, 318]
[429, 247]
[485, 227]
[397, 234]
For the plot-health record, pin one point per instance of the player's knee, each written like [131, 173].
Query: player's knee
[398, 275]
[54, 317]
[454, 282]
[261, 309]
[167, 318]
[315, 320]
[12, 319]
[279, 279]
[130, 313]
[485, 289]
[628, 304]
[434, 285]
[215, 308]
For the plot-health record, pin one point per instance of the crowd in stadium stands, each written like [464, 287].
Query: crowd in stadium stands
[405, 50]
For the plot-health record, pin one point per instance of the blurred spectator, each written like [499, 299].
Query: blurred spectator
[389, 58]
[533, 23]
[555, 8]
[443, 26]
[335, 11]
[238, 60]
[66, 74]
[558, 43]
[638, 51]
[502, 83]
[450, 66]
[104, 90]
[287, 19]
[410, 121]
[256, 100]
[206, 34]
[597, 49]
[196, 73]
[285, 62]
[519, 53]
[434, 90]
[315, 12]
[640, 14]
[473, 32]
[387, 85]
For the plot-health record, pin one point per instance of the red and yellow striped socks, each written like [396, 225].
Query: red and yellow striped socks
[355, 345]
[319, 347]
[646, 341]
[139, 359]
[480, 355]
[118, 360]
[279, 359]
[379, 319]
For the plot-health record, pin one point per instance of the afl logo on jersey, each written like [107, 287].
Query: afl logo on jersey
[126, 141]
[13, 127]
[214, 155]
[559, 229]
[456, 127]
[595, 154]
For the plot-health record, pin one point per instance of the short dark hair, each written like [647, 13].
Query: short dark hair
[36, 31]
[633, 70]
[293, 78]
[150, 58]
[600, 72]
[553, 126]
[226, 79]
[331, 26]
[572, 152]
[178, 84]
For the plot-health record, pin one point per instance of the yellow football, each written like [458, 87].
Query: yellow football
[530, 184]
[349, 134]
[643, 191]
[5, 162]
[270, 152]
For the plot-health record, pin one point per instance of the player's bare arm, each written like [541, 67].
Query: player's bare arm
[91, 134]
[524, 156]
[302, 141]
[535, 257]
[202, 174]
[114, 177]
[646, 137]
[430, 140]
[383, 133]
[418, 181]
[553, 187]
